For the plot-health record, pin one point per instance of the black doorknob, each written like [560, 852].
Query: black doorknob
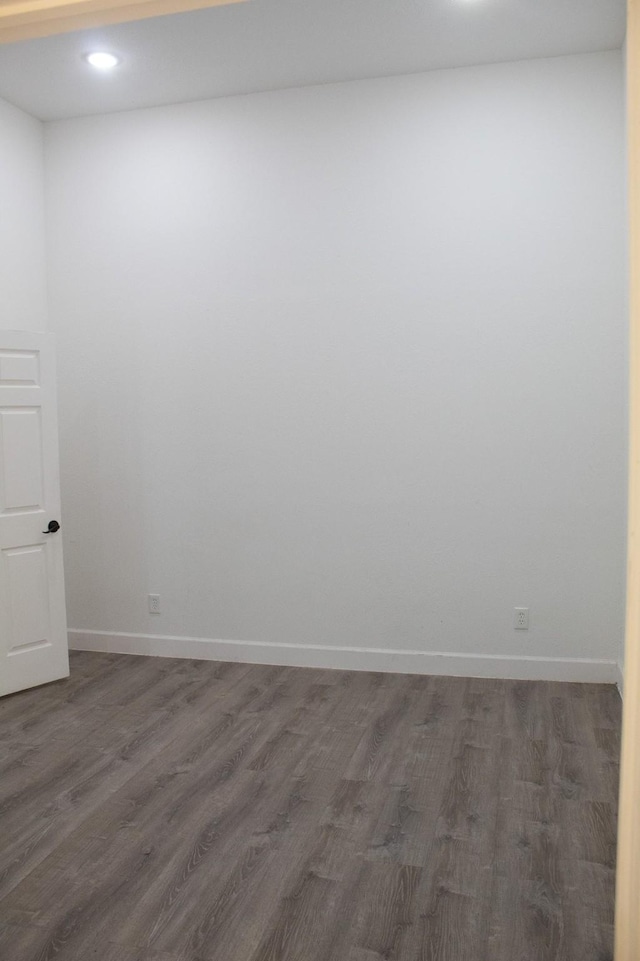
[52, 527]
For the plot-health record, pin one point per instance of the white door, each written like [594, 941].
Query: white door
[33, 629]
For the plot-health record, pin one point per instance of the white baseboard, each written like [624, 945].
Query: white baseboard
[352, 658]
[620, 677]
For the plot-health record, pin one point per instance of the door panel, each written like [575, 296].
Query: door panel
[33, 630]
[26, 575]
[18, 367]
[21, 445]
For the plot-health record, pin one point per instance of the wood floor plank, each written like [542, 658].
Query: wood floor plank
[388, 910]
[455, 899]
[587, 908]
[243, 890]
[300, 928]
[179, 810]
[26, 941]
[379, 755]
[527, 923]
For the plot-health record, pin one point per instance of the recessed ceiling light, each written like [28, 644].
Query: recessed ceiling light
[102, 60]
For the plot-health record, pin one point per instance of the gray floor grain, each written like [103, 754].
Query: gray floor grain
[171, 810]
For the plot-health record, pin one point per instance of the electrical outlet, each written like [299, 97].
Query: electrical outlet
[521, 618]
[154, 603]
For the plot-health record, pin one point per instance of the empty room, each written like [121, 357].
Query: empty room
[319, 479]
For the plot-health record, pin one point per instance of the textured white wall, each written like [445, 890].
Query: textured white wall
[22, 239]
[347, 364]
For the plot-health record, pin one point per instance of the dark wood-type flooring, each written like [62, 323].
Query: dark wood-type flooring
[173, 810]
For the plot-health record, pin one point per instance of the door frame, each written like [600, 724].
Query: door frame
[26, 19]
[627, 934]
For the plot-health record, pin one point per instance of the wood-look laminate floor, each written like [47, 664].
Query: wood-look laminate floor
[171, 810]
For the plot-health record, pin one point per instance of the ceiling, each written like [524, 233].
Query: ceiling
[272, 44]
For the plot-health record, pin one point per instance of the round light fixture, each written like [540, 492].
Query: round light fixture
[102, 60]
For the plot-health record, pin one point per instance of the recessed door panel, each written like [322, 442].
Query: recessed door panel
[21, 458]
[19, 367]
[26, 574]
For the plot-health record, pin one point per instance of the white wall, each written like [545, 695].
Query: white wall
[346, 366]
[22, 238]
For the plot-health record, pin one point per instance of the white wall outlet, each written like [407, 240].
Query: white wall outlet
[154, 603]
[521, 618]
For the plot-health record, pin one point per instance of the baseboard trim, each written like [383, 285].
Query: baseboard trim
[351, 658]
[620, 677]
